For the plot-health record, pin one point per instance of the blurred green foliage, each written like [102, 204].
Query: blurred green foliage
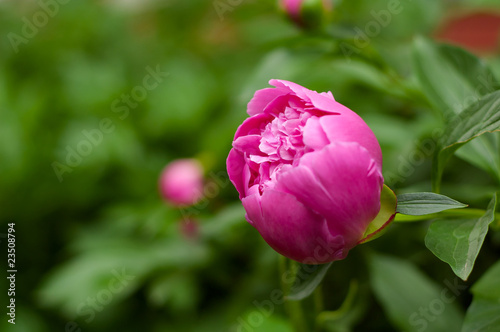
[103, 215]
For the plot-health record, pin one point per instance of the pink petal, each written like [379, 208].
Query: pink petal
[349, 127]
[253, 209]
[261, 98]
[248, 144]
[253, 125]
[314, 136]
[296, 231]
[298, 90]
[352, 183]
[236, 165]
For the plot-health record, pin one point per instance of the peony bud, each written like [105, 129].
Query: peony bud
[308, 171]
[181, 182]
[309, 14]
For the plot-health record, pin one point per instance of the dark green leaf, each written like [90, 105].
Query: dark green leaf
[454, 80]
[458, 242]
[483, 313]
[451, 77]
[308, 278]
[481, 117]
[408, 296]
[419, 204]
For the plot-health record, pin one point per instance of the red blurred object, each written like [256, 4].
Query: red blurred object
[478, 32]
[189, 229]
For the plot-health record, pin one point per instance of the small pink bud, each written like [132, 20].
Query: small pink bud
[309, 14]
[181, 182]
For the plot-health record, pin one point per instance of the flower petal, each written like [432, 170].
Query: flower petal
[236, 165]
[252, 205]
[296, 231]
[349, 127]
[314, 136]
[253, 125]
[263, 97]
[340, 182]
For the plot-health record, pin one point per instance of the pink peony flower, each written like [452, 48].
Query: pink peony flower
[308, 171]
[181, 182]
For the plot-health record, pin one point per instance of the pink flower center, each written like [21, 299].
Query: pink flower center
[281, 146]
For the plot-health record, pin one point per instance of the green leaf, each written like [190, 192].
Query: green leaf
[483, 313]
[454, 80]
[410, 299]
[449, 76]
[308, 277]
[378, 226]
[458, 242]
[481, 117]
[419, 204]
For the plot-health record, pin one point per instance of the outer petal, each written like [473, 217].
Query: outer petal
[236, 168]
[294, 230]
[340, 182]
[349, 127]
[253, 125]
[263, 97]
[252, 205]
[324, 102]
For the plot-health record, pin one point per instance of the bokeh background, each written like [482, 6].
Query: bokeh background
[97, 247]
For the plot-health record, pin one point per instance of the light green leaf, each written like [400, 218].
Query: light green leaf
[308, 277]
[481, 117]
[483, 313]
[419, 204]
[408, 297]
[377, 227]
[458, 242]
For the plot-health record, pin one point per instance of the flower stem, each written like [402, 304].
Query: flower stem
[294, 308]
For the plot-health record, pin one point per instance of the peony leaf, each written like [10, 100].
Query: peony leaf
[419, 204]
[482, 314]
[407, 296]
[457, 242]
[480, 118]
[308, 277]
[453, 80]
[450, 76]
[378, 226]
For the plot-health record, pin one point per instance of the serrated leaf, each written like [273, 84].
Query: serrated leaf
[458, 242]
[308, 278]
[419, 204]
[483, 313]
[406, 295]
[481, 117]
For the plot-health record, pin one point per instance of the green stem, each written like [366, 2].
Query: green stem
[344, 308]
[294, 308]
[466, 213]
